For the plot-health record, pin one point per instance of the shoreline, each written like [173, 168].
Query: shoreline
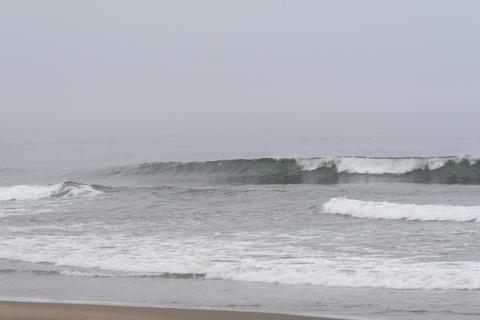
[22, 310]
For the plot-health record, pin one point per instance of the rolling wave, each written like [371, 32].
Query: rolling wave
[37, 192]
[396, 211]
[463, 170]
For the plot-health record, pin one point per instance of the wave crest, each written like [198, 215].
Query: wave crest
[396, 211]
[37, 192]
[377, 166]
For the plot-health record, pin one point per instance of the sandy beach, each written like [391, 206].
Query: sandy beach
[57, 311]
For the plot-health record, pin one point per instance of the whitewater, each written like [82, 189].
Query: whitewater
[37, 192]
[388, 210]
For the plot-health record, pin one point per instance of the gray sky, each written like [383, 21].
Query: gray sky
[85, 69]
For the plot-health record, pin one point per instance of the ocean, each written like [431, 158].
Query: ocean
[378, 235]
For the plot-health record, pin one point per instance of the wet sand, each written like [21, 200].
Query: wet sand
[58, 311]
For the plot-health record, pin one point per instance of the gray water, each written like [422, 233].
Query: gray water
[119, 222]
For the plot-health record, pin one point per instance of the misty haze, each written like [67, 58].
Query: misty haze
[194, 159]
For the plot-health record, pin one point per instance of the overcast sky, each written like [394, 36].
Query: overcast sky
[84, 69]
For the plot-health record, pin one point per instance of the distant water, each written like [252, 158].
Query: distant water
[379, 236]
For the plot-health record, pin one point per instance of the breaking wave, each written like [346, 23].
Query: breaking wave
[373, 273]
[37, 192]
[396, 211]
[343, 272]
[463, 170]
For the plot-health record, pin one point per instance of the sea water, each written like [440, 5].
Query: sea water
[377, 235]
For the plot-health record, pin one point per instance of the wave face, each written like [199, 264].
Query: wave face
[395, 211]
[37, 192]
[462, 170]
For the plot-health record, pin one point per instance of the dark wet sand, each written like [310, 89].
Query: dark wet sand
[58, 311]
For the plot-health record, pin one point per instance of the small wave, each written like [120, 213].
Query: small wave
[138, 259]
[37, 192]
[396, 211]
[373, 273]
[343, 272]
[464, 170]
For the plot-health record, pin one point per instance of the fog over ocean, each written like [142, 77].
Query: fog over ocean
[307, 157]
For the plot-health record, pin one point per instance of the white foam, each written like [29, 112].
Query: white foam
[77, 273]
[36, 192]
[315, 163]
[379, 165]
[389, 210]
[148, 255]
[28, 192]
[375, 273]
